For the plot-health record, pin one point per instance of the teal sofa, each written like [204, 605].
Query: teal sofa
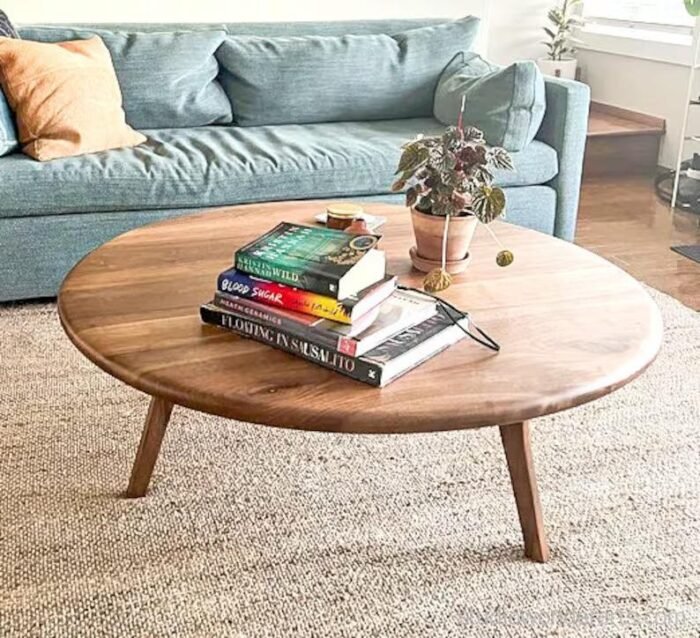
[53, 213]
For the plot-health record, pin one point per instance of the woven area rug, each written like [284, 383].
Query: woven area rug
[253, 531]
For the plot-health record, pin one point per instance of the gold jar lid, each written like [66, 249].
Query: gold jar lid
[344, 210]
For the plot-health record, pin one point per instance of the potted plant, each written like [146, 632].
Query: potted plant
[693, 7]
[449, 182]
[560, 61]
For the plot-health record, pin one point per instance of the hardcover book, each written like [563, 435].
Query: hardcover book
[400, 311]
[348, 310]
[378, 367]
[328, 262]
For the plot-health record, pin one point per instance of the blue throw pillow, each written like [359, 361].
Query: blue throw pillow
[168, 79]
[308, 79]
[6, 28]
[507, 104]
[8, 130]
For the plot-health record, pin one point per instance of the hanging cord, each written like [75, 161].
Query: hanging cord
[456, 316]
[444, 242]
[498, 241]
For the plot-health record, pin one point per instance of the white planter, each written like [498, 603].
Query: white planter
[565, 69]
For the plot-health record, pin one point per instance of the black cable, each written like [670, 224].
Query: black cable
[456, 315]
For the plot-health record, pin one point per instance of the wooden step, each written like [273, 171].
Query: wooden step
[621, 141]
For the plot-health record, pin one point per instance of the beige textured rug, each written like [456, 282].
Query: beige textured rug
[251, 531]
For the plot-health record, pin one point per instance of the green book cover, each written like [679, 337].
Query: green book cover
[310, 258]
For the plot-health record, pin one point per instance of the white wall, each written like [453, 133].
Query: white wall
[515, 29]
[656, 88]
[227, 10]
[513, 33]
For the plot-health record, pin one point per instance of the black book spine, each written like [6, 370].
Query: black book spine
[355, 368]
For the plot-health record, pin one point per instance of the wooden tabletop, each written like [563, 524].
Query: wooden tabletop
[572, 327]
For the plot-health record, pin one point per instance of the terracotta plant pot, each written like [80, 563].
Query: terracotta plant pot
[429, 230]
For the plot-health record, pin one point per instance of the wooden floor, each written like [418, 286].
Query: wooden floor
[606, 121]
[622, 142]
[622, 220]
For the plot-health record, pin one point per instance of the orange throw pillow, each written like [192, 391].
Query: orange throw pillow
[65, 96]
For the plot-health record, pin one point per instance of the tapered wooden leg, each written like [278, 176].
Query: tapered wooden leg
[516, 443]
[152, 436]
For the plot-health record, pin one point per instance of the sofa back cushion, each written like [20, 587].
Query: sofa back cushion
[298, 80]
[506, 103]
[168, 80]
[266, 29]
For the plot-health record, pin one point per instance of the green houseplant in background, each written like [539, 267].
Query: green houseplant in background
[693, 7]
[449, 182]
[564, 20]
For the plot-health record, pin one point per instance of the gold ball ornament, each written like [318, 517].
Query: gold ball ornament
[437, 280]
[504, 258]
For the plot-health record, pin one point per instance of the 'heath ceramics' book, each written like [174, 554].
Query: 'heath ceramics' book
[400, 311]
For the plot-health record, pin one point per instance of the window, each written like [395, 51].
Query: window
[662, 15]
[658, 30]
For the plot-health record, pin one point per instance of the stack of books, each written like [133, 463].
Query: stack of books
[325, 296]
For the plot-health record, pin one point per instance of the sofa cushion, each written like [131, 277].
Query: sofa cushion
[297, 80]
[9, 141]
[38, 252]
[7, 29]
[167, 79]
[216, 166]
[507, 104]
[8, 132]
[267, 29]
[65, 96]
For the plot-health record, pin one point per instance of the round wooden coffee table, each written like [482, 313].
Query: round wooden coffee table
[572, 328]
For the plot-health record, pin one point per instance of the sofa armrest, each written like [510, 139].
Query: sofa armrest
[564, 128]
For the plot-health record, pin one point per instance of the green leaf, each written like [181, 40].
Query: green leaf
[473, 134]
[411, 197]
[412, 158]
[693, 7]
[489, 203]
[555, 16]
[398, 186]
[500, 158]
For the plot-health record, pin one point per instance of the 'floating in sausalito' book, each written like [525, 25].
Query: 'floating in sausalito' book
[378, 367]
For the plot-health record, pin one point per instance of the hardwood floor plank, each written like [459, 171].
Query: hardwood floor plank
[621, 219]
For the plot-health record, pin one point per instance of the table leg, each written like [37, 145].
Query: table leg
[516, 443]
[152, 436]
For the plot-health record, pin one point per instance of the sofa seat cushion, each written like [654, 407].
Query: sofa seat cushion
[217, 166]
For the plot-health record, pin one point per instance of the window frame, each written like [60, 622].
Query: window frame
[646, 40]
[637, 25]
